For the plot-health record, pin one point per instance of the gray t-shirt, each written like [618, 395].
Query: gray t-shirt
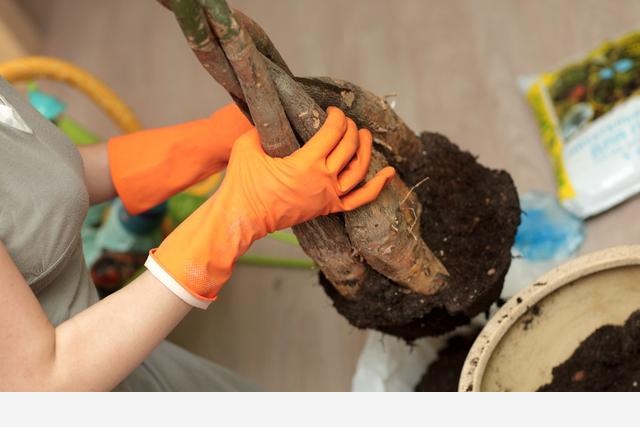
[43, 202]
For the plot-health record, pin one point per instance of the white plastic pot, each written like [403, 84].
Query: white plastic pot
[541, 326]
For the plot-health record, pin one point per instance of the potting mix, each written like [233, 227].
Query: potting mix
[607, 360]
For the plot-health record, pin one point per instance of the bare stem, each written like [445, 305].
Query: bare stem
[204, 44]
[259, 91]
[262, 41]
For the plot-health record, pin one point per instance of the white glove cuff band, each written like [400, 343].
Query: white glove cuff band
[175, 287]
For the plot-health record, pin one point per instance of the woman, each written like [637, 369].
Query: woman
[55, 334]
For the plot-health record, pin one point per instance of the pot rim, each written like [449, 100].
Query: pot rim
[495, 329]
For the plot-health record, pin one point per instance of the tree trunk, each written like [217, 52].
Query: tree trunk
[385, 233]
[324, 239]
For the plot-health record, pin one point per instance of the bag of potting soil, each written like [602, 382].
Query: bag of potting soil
[589, 117]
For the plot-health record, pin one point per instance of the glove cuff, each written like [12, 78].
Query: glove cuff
[174, 286]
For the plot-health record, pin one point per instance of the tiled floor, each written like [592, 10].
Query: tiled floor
[453, 65]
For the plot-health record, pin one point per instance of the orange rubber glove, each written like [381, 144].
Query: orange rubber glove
[149, 166]
[261, 194]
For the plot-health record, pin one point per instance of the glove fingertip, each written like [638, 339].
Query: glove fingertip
[250, 137]
[365, 136]
[369, 191]
[387, 173]
[336, 118]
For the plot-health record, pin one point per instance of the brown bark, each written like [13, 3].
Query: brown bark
[390, 133]
[261, 40]
[386, 232]
[258, 35]
[325, 240]
[204, 44]
[259, 91]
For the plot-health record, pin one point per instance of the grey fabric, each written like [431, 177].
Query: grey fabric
[172, 368]
[43, 202]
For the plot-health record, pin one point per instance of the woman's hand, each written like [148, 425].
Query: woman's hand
[261, 194]
[318, 179]
[145, 168]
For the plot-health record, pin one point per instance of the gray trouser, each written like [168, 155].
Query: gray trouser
[171, 368]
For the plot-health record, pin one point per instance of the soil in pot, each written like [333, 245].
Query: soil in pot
[469, 220]
[607, 360]
[443, 375]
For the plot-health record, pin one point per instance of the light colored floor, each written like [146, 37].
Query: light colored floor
[453, 65]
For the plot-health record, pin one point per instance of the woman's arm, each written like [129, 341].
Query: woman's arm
[99, 347]
[94, 350]
[97, 176]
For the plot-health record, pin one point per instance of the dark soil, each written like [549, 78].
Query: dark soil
[443, 374]
[607, 360]
[469, 220]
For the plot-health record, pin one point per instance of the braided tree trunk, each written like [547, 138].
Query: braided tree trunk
[380, 238]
